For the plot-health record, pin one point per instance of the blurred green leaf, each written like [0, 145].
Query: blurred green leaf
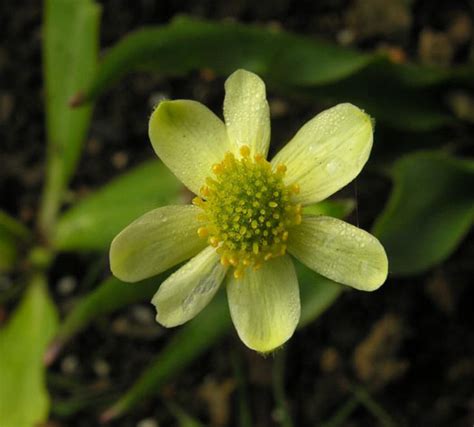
[430, 210]
[336, 208]
[428, 75]
[24, 400]
[182, 418]
[317, 293]
[12, 235]
[109, 296]
[187, 343]
[70, 51]
[387, 100]
[13, 227]
[8, 252]
[405, 96]
[187, 44]
[98, 218]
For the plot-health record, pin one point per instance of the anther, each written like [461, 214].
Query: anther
[255, 248]
[202, 232]
[245, 151]
[246, 210]
[217, 168]
[197, 201]
[238, 274]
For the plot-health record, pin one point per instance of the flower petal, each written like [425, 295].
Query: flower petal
[187, 291]
[328, 152]
[155, 242]
[339, 251]
[189, 138]
[265, 304]
[246, 112]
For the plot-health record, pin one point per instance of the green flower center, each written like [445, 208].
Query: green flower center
[247, 211]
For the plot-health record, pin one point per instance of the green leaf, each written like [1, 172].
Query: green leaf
[13, 227]
[336, 208]
[12, 235]
[387, 99]
[182, 418]
[8, 251]
[286, 59]
[405, 96]
[97, 219]
[188, 44]
[110, 295]
[187, 343]
[70, 51]
[430, 210]
[317, 293]
[24, 400]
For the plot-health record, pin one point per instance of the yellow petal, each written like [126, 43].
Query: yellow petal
[246, 112]
[327, 153]
[187, 291]
[155, 242]
[189, 139]
[339, 251]
[265, 304]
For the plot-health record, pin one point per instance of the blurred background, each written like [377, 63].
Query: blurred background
[402, 356]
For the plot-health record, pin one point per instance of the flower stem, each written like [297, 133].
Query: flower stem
[52, 195]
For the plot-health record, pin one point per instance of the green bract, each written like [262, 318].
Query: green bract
[248, 214]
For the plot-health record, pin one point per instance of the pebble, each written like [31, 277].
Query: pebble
[101, 368]
[66, 285]
[120, 160]
[147, 422]
[143, 315]
[69, 364]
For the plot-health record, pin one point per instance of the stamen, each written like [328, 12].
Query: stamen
[247, 210]
[202, 232]
[245, 151]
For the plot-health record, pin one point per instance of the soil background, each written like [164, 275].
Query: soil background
[410, 345]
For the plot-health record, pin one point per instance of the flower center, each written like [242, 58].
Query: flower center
[247, 210]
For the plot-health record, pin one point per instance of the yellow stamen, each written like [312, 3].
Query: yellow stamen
[217, 168]
[247, 210]
[295, 188]
[245, 151]
[202, 232]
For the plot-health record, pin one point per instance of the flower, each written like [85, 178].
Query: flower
[248, 213]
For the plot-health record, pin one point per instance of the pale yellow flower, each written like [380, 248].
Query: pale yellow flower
[248, 215]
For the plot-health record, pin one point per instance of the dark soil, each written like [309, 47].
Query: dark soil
[410, 345]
